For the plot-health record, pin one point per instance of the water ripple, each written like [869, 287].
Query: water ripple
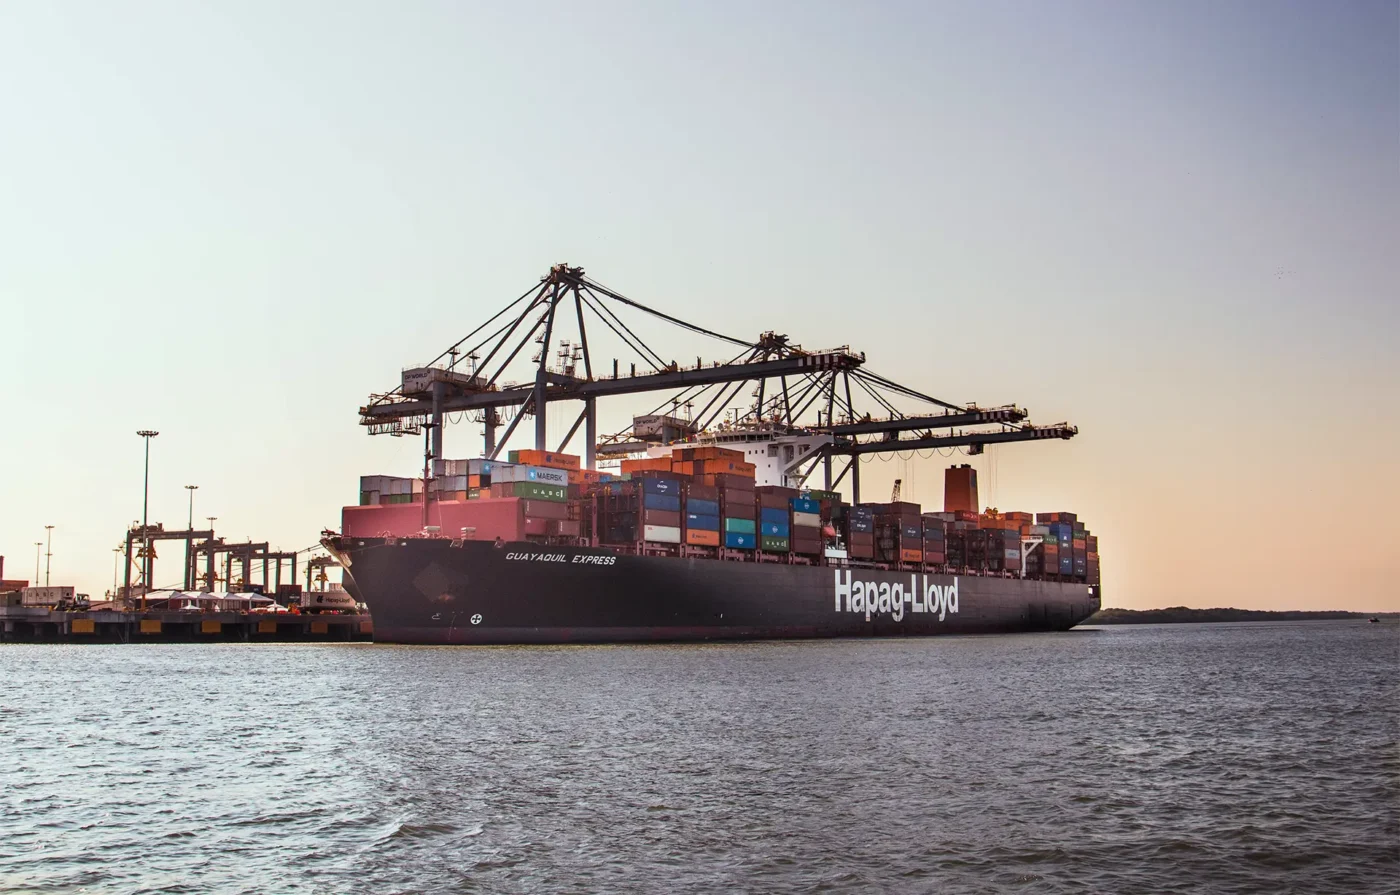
[1233, 758]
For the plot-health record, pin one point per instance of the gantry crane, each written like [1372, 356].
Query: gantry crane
[788, 386]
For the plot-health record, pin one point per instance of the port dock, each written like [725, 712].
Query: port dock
[37, 624]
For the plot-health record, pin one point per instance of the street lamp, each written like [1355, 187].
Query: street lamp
[116, 564]
[48, 552]
[38, 546]
[147, 434]
[191, 489]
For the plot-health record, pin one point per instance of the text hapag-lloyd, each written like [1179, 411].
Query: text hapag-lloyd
[875, 597]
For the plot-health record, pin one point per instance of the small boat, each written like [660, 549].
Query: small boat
[1375, 621]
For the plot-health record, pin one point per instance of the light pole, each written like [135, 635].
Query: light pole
[116, 564]
[210, 574]
[147, 434]
[48, 552]
[38, 546]
[191, 489]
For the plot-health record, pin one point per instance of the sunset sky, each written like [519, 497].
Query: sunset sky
[1171, 224]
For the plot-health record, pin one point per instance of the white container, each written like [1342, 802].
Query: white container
[663, 534]
[806, 520]
[481, 467]
[45, 596]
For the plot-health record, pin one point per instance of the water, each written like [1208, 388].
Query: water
[1230, 758]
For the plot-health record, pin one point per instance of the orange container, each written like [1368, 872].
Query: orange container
[547, 459]
[907, 555]
[473, 481]
[718, 453]
[701, 537]
[734, 467]
[683, 467]
[658, 463]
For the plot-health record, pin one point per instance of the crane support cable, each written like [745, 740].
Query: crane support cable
[904, 389]
[655, 313]
[635, 342]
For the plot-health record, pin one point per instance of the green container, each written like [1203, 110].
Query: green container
[473, 494]
[833, 496]
[365, 498]
[773, 544]
[540, 491]
[741, 526]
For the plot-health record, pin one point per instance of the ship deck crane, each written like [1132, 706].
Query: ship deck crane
[788, 386]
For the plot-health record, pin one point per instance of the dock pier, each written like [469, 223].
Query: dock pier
[37, 624]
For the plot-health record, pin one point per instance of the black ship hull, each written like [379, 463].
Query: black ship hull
[428, 591]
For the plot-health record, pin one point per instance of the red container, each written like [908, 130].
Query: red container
[728, 480]
[738, 511]
[501, 518]
[538, 526]
[544, 509]
[661, 517]
[564, 528]
[702, 492]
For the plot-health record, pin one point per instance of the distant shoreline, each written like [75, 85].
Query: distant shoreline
[1183, 615]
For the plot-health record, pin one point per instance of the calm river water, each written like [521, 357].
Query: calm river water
[1229, 758]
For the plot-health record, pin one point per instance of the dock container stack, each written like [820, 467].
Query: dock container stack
[661, 508]
[738, 510]
[702, 518]
[935, 540]
[774, 525]
[860, 532]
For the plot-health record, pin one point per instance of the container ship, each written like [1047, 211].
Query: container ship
[699, 530]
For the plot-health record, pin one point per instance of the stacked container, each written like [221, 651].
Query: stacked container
[661, 509]
[702, 518]
[806, 526]
[738, 510]
[935, 541]
[860, 532]
[774, 527]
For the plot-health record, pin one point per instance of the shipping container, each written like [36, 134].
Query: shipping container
[773, 544]
[702, 521]
[702, 537]
[740, 526]
[657, 501]
[702, 507]
[737, 540]
[662, 534]
[806, 520]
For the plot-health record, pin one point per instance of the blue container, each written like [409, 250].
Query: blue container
[662, 486]
[702, 521]
[863, 526]
[912, 532]
[655, 501]
[702, 507]
[805, 505]
[774, 529]
[1066, 565]
[737, 540]
[770, 514]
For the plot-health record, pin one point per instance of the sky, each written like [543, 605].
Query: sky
[1173, 225]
